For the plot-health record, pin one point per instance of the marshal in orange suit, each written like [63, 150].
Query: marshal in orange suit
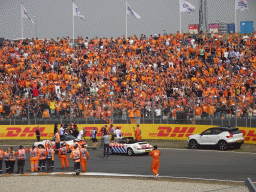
[155, 164]
[137, 133]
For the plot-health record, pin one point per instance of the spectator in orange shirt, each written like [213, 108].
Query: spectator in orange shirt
[46, 114]
[198, 111]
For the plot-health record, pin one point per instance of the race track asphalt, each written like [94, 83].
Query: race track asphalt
[205, 164]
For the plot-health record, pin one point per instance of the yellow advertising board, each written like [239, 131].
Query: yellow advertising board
[149, 131]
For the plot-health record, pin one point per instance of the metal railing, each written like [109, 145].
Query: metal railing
[172, 110]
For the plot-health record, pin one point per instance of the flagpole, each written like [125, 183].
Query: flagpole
[126, 18]
[180, 20]
[235, 17]
[73, 22]
[21, 22]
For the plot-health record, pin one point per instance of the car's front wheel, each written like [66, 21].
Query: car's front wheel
[223, 145]
[129, 152]
[192, 144]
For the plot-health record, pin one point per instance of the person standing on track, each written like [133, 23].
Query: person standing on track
[112, 132]
[63, 155]
[55, 128]
[33, 158]
[11, 160]
[76, 155]
[48, 142]
[106, 138]
[57, 140]
[81, 134]
[103, 130]
[84, 157]
[94, 138]
[6, 160]
[1, 160]
[155, 164]
[118, 135]
[38, 134]
[41, 158]
[137, 132]
[21, 153]
[62, 132]
[49, 156]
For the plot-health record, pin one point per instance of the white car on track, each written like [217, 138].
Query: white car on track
[224, 137]
[130, 146]
[68, 139]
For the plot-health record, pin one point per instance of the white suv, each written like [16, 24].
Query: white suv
[221, 136]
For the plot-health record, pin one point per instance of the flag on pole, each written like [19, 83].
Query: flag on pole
[26, 15]
[77, 12]
[130, 11]
[186, 6]
[241, 5]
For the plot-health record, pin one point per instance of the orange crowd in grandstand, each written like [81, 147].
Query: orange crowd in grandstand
[174, 72]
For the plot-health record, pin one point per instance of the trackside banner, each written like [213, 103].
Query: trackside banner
[149, 131]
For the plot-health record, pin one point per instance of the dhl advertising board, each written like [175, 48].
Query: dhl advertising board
[149, 131]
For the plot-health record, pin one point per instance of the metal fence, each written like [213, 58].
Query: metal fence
[219, 111]
[240, 122]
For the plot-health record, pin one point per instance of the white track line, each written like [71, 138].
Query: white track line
[123, 175]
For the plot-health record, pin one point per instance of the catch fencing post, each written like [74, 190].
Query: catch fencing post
[248, 182]
[235, 112]
[194, 110]
[153, 112]
[112, 120]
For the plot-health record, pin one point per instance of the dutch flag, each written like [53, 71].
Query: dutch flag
[26, 15]
[186, 6]
[130, 11]
[242, 5]
[77, 12]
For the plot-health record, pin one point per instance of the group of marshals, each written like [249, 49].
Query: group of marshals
[41, 156]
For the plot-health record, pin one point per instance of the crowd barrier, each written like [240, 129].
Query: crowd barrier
[149, 131]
